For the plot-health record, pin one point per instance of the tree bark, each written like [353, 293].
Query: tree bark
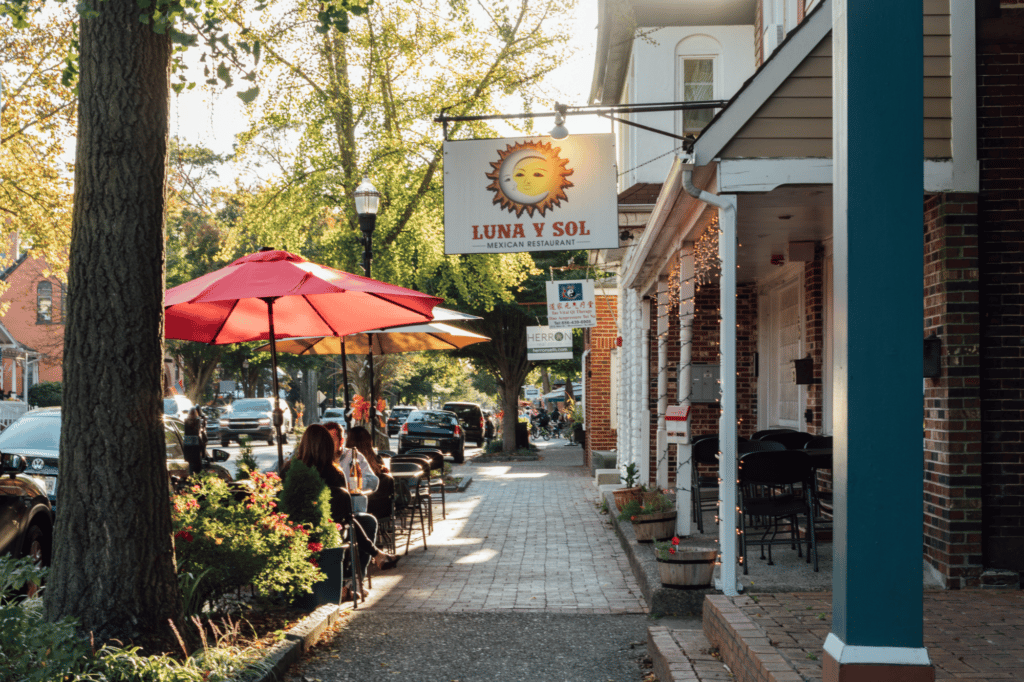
[114, 560]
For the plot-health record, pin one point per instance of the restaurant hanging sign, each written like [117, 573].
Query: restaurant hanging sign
[571, 304]
[514, 195]
[544, 343]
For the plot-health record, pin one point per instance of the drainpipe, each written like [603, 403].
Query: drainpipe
[727, 527]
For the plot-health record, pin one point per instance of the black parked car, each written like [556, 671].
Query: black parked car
[35, 437]
[26, 516]
[433, 429]
[397, 417]
[471, 416]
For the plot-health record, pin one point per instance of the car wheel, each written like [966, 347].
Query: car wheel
[270, 438]
[284, 438]
[225, 442]
[479, 442]
[459, 454]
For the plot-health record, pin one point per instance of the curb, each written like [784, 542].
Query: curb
[298, 640]
[466, 480]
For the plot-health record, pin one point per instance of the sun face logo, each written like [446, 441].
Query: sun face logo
[529, 176]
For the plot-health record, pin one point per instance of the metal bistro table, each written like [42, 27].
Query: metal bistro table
[408, 477]
[820, 458]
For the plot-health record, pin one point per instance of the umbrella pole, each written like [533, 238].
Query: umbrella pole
[278, 412]
[344, 379]
[373, 394]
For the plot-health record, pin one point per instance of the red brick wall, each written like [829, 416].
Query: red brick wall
[599, 401]
[952, 402]
[20, 320]
[814, 339]
[1001, 249]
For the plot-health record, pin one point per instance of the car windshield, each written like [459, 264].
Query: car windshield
[431, 418]
[32, 433]
[251, 405]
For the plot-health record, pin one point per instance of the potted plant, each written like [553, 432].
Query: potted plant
[653, 519]
[632, 491]
[685, 566]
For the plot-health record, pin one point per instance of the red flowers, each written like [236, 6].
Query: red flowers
[675, 540]
[184, 535]
[314, 547]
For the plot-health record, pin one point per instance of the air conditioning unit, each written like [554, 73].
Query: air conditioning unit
[774, 34]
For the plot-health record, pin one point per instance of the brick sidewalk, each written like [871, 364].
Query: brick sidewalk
[971, 635]
[524, 536]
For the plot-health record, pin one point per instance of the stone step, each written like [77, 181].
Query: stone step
[684, 656]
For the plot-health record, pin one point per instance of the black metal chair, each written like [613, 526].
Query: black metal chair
[409, 500]
[758, 435]
[748, 446]
[791, 440]
[436, 464]
[766, 490]
[704, 452]
[818, 443]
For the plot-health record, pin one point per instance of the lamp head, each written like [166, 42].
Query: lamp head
[560, 132]
[367, 198]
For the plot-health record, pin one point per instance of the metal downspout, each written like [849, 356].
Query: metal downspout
[728, 533]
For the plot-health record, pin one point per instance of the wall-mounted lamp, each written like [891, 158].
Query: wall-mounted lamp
[560, 132]
[932, 357]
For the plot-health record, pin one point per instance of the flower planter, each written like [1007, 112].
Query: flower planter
[624, 495]
[657, 526]
[688, 567]
[328, 590]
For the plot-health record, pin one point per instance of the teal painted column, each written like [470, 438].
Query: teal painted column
[878, 259]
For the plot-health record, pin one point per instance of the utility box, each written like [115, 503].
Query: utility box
[705, 383]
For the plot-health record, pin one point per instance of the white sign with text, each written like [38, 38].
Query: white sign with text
[571, 304]
[544, 343]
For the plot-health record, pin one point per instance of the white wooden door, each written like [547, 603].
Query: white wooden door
[781, 403]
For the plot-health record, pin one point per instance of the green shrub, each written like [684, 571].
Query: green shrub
[232, 543]
[46, 394]
[306, 500]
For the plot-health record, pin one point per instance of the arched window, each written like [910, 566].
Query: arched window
[697, 80]
[44, 303]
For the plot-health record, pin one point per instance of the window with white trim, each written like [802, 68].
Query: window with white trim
[44, 303]
[696, 84]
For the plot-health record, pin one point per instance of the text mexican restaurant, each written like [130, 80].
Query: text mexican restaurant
[515, 230]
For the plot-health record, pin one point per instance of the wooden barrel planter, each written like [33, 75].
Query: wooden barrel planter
[657, 526]
[624, 495]
[688, 567]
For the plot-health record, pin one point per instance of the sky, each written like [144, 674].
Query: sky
[212, 119]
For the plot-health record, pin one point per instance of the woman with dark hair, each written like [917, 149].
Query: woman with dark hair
[316, 450]
[195, 441]
[360, 445]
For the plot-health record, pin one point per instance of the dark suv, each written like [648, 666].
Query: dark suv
[471, 416]
[26, 517]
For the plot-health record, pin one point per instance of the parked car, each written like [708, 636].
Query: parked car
[471, 416]
[397, 417]
[254, 417]
[334, 414]
[177, 406]
[212, 415]
[26, 515]
[35, 438]
[433, 429]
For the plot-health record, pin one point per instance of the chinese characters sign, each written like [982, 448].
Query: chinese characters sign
[571, 304]
[523, 194]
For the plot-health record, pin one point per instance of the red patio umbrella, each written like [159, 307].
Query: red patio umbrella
[272, 295]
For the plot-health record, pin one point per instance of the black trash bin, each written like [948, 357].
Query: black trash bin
[522, 435]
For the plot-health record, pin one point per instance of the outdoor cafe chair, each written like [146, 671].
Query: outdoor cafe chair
[704, 452]
[409, 501]
[791, 440]
[436, 464]
[758, 435]
[427, 463]
[341, 512]
[818, 443]
[762, 478]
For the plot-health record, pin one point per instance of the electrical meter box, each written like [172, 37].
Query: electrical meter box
[704, 383]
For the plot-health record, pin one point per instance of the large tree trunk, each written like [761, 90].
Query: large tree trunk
[114, 560]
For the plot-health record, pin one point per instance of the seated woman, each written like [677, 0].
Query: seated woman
[316, 450]
[360, 445]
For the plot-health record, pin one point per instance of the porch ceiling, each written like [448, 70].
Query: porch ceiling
[768, 222]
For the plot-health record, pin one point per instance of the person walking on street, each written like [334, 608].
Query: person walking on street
[195, 440]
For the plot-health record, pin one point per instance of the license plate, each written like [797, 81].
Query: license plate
[430, 442]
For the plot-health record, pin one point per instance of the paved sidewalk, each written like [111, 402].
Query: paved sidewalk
[524, 536]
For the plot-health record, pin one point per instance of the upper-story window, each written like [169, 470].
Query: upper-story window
[779, 19]
[63, 298]
[44, 303]
[697, 80]
[698, 85]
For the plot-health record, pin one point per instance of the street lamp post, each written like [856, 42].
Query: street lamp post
[302, 393]
[367, 200]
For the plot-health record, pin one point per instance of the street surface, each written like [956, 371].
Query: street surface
[524, 580]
